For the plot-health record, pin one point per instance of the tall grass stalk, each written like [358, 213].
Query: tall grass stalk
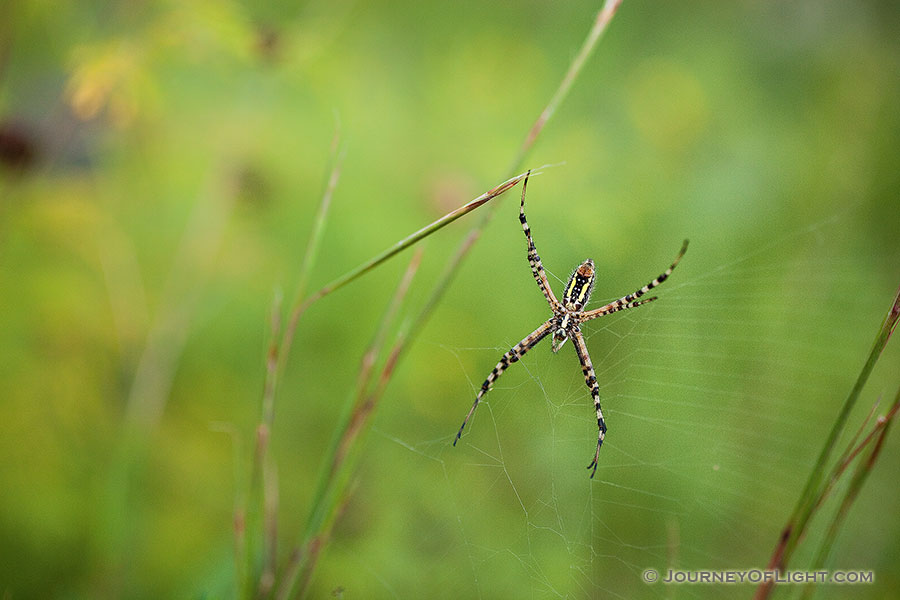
[265, 491]
[260, 518]
[331, 491]
[312, 248]
[873, 444]
[816, 486]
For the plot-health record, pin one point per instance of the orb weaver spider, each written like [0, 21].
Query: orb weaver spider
[566, 321]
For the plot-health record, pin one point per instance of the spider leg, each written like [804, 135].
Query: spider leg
[614, 307]
[629, 300]
[591, 380]
[537, 267]
[513, 355]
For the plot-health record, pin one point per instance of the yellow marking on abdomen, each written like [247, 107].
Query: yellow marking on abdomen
[584, 291]
[571, 287]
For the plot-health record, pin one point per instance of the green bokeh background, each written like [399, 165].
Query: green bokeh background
[179, 151]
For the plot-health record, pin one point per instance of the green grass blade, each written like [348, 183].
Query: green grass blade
[410, 240]
[809, 499]
[874, 442]
[587, 48]
[331, 490]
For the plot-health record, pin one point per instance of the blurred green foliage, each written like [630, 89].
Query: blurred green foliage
[160, 165]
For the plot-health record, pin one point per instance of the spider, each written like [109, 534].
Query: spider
[566, 321]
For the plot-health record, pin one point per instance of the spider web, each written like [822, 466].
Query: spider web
[718, 398]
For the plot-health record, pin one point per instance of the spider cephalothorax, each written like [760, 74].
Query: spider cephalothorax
[566, 321]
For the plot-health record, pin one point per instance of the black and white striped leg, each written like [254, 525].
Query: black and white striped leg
[614, 307]
[514, 354]
[537, 267]
[591, 380]
[628, 301]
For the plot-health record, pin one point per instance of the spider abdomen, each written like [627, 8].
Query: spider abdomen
[580, 286]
